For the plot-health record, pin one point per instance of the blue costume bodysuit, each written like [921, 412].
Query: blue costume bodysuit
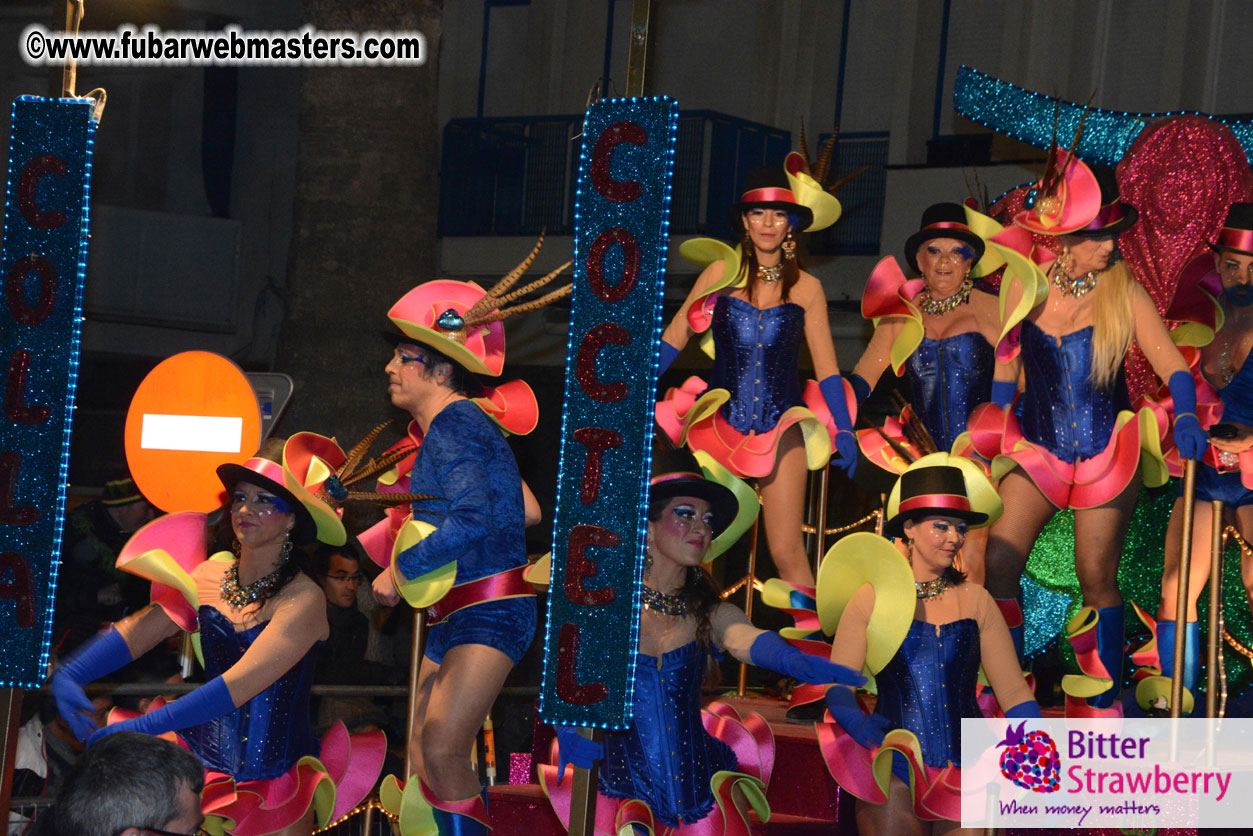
[755, 360]
[1237, 398]
[947, 379]
[666, 758]
[265, 736]
[479, 522]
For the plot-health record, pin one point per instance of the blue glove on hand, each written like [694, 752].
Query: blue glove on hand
[1003, 392]
[771, 651]
[100, 655]
[1191, 440]
[208, 702]
[668, 353]
[867, 729]
[845, 456]
[575, 749]
[861, 389]
[1030, 708]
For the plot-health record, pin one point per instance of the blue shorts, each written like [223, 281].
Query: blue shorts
[1225, 487]
[507, 625]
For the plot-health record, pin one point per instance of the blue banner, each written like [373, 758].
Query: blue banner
[42, 265]
[621, 234]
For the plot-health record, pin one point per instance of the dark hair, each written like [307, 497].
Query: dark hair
[699, 591]
[125, 780]
[748, 266]
[320, 562]
[461, 381]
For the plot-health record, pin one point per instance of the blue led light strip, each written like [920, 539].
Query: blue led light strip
[621, 237]
[43, 266]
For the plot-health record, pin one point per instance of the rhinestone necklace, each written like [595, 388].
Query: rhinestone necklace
[939, 307]
[932, 588]
[770, 275]
[239, 596]
[1078, 286]
[658, 601]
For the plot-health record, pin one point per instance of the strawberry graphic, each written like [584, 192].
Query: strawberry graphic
[1030, 759]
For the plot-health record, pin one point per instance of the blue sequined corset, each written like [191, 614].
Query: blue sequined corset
[666, 758]
[1237, 396]
[929, 685]
[755, 360]
[270, 732]
[947, 379]
[1061, 410]
[479, 519]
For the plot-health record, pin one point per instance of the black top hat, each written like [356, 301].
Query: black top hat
[932, 491]
[1115, 216]
[676, 473]
[267, 474]
[1237, 231]
[768, 188]
[942, 220]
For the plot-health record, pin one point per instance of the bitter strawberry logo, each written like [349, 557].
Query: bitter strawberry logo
[1030, 759]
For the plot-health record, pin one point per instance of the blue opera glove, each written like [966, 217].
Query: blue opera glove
[1030, 708]
[1003, 392]
[100, 655]
[208, 702]
[1191, 440]
[668, 353]
[771, 651]
[867, 729]
[575, 749]
[845, 457]
[861, 389]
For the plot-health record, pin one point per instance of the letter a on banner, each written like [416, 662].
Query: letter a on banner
[621, 235]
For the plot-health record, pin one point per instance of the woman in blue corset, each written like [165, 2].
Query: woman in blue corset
[938, 333]
[755, 417]
[924, 632]
[677, 769]
[1071, 440]
[260, 617]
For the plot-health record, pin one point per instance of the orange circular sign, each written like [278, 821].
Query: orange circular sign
[193, 412]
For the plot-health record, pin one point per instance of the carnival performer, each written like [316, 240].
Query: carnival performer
[939, 334]
[1222, 473]
[260, 616]
[1071, 439]
[446, 332]
[690, 779]
[755, 417]
[923, 631]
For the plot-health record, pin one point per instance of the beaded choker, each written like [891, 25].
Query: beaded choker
[932, 588]
[1078, 286]
[239, 596]
[939, 307]
[658, 601]
[770, 275]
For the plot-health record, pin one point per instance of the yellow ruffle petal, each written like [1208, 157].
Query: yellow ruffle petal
[864, 558]
[746, 499]
[810, 193]
[413, 813]
[1020, 272]
[424, 590]
[985, 227]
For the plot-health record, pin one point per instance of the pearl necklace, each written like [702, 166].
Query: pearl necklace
[932, 588]
[939, 307]
[658, 601]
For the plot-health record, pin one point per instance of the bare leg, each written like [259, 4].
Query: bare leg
[783, 510]
[1027, 511]
[468, 681]
[895, 818]
[426, 678]
[1099, 537]
[1198, 574]
[970, 560]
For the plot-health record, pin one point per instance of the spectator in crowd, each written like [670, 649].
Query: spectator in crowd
[342, 658]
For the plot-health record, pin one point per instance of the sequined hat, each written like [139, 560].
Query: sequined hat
[268, 475]
[942, 220]
[1237, 231]
[1114, 216]
[769, 188]
[940, 485]
[677, 473]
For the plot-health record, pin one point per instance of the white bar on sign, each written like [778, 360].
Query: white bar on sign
[193, 433]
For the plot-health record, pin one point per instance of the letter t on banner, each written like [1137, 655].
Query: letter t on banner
[621, 235]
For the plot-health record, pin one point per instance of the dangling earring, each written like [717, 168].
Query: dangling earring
[789, 246]
[286, 548]
[748, 241]
[648, 562]
[235, 547]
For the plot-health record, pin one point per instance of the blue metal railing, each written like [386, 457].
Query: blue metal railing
[516, 176]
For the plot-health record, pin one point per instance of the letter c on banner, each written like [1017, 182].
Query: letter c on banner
[585, 372]
[28, 183]
[619, 191]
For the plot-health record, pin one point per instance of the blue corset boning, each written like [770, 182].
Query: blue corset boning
[755, 360]
[947, 379]
[1237, 396]
[265, 736]
[1061, 409]
[929, 685]
[666, 758]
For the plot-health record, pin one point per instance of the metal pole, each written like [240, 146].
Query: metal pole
[583, 793]
[1181, 599]
[415, 665]
[749, 589]
[10, 720]
[637, 54]
[1214, 635]
[820, 525]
